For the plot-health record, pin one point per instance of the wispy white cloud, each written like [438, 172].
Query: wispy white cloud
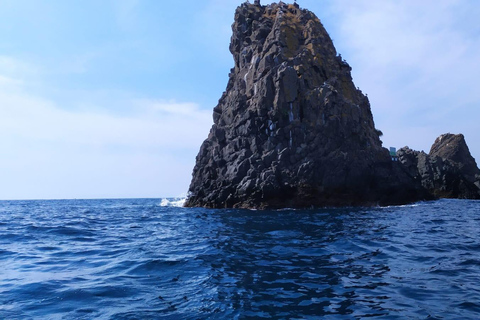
[49, 151]
[169, 108]
[418, 61]
[11, 67]
[78, 63]
[171, 125]
[7, 81]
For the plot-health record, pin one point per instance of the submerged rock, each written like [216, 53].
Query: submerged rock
[291, 129]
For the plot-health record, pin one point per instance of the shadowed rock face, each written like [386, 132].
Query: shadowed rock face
[448, 171]
[453, 149]
[291, 129]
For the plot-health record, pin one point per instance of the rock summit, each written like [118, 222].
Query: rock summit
[292, 130]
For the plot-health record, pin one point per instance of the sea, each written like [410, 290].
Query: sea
[153, 259]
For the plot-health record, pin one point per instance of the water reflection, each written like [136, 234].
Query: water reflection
[135, 259]
[300, 263]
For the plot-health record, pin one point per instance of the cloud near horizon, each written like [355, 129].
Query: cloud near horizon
[51, 152]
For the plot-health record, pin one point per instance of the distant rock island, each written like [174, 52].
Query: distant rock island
[292, 130]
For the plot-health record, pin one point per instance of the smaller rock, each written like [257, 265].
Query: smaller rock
[448, 171]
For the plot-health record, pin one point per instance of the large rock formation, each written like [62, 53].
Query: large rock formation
[291, 129]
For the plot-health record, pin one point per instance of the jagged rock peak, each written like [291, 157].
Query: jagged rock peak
[453, 147]
[447, 171]
[281, 28]
[291, 129]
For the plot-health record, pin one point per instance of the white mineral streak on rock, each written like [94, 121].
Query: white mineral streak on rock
[290, 113]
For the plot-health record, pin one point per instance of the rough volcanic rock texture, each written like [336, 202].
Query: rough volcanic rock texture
[291, 129]
[448, 171]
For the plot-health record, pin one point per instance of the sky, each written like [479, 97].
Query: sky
[112, 98]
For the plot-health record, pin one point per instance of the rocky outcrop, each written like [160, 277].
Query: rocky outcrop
[292, 130]
[448, 171]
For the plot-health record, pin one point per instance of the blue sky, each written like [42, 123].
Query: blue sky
[112, 98]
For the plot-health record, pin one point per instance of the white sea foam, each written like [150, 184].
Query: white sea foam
[172, 202]
[412, 205]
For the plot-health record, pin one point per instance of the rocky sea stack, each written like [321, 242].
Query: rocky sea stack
[448, 171]
[292, 130]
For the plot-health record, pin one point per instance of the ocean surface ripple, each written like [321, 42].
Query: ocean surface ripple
[150, 259]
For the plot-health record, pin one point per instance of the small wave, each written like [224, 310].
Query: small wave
[173, 202]
[410, 205]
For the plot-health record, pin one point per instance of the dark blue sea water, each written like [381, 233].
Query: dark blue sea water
[140, 259]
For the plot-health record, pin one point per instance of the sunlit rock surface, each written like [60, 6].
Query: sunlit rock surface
[291, 129]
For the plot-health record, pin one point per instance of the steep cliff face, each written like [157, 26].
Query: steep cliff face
[448, 171]
[291, 129]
